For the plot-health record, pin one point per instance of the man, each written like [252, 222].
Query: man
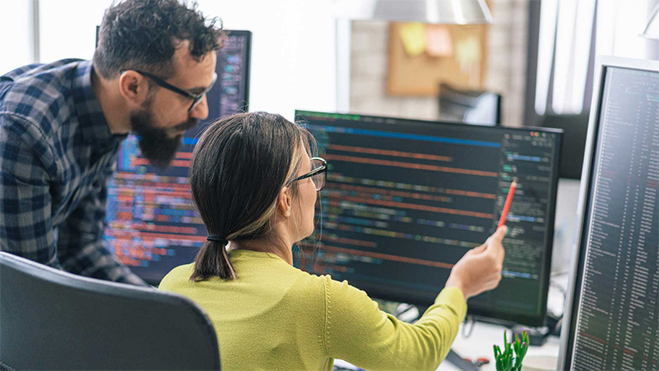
[61, 126]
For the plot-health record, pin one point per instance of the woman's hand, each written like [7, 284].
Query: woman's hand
[479, 269]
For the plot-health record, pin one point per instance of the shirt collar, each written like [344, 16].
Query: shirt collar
[95, 129]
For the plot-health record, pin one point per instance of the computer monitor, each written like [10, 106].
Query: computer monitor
[469, 106]
[611, 319]
[151, 223]
[575, 128]
[406, 199]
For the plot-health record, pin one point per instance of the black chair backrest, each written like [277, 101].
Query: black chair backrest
[55, 320]
[480, 107]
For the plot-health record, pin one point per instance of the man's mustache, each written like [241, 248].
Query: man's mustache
[189, 124]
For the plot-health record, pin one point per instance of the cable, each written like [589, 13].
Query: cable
[469, 322]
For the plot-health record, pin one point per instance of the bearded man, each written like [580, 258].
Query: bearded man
[62, 124]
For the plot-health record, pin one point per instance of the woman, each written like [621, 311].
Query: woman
[255, 188]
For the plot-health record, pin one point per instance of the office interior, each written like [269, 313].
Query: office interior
[534, 66]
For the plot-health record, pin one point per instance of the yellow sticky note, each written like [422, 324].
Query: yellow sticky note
[438, 41]
[414, 38]
[468, 55]
[468, 51]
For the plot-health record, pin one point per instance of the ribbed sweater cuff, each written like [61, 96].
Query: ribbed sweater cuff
[453, 297]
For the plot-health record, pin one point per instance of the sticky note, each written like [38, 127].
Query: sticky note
[468, 51]
[414, 38]
[438, 41]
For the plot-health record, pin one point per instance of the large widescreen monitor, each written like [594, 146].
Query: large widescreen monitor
[612, 312]
[406, 199]
[151, 223]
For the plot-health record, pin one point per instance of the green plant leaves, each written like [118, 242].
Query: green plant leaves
[505, 361]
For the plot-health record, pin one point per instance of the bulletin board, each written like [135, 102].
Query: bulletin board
[462, 65]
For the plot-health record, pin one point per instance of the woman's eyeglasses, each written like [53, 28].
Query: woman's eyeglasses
[317, 174]
[196, 98]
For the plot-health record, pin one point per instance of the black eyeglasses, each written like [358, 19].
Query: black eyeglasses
[317, 174]
[196, 98]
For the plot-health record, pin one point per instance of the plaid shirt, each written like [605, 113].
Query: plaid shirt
[57, 155]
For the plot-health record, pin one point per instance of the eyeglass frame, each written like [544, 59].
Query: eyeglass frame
[196, 98]
[321, 169]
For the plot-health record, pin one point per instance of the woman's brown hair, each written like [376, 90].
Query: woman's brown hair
[238, 167]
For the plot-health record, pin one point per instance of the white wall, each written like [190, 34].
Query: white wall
[65, 33]
[15, 45]
[293, 50]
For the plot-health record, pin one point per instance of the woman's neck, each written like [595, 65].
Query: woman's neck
[279, 248]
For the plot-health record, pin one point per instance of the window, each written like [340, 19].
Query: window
[15, 26]
[566, 43]
[63, 37]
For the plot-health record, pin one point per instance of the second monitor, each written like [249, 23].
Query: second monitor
[406, 199]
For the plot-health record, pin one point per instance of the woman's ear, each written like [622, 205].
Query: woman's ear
[284, 202]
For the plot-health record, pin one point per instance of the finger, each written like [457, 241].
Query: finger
[494, 242]
[500, 233]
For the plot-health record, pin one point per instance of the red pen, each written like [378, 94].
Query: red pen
[506, 206]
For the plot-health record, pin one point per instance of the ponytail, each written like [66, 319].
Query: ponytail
[237, 169]
[211, 261]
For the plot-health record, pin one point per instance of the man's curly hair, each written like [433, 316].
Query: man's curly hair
[144, 34]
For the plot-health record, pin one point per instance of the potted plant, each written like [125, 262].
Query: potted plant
[505, 361]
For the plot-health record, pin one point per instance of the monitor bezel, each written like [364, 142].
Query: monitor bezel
[244, 107]
[571, 309]
[482, 313]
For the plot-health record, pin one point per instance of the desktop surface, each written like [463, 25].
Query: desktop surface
[152, 226]
[406, 199]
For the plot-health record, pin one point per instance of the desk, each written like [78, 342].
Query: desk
[480, 343]
[485, 335]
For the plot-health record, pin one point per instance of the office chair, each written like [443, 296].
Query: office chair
[477, 107]
[50, 319]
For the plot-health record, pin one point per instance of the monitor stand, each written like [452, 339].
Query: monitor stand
[459, 362]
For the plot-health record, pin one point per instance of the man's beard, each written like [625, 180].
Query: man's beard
[155, 144]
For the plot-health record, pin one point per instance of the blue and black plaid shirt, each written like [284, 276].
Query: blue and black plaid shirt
[57, 155]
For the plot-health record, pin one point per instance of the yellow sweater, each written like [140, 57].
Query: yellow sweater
[277, 317]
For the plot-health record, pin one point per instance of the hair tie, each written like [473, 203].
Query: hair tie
[217, 238]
